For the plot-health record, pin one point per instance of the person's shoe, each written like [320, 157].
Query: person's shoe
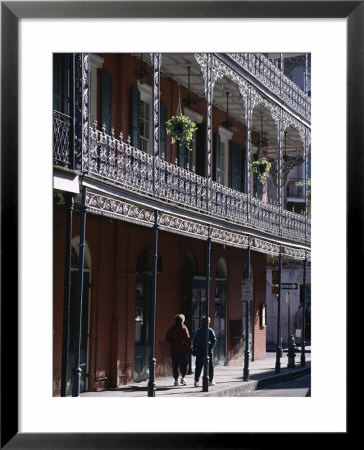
[212, 383]
[197, 384]
[176, 383]
[183, 382]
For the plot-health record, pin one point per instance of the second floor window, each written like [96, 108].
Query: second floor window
[145, 126]
[222, 139]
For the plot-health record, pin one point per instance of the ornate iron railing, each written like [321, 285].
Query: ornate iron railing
[61, 139]
[116, 161]
[274, 79]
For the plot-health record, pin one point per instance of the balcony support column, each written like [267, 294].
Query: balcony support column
[156, 62]
[205, 379]
[69, 204]
[281, 129]
[250, 103]
[306, 144]
[76, 372]
[247, 320]
[279, 347]
[81, 113]
[303, 333]
[152, 360]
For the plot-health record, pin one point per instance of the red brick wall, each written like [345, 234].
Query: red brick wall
[259, 333]
[114, 248]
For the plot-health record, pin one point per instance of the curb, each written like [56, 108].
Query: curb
[247, 388]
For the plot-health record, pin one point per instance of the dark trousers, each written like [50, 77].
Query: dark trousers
[179, 361]
[200, 359]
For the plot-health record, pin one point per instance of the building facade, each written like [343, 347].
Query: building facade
[145, 228]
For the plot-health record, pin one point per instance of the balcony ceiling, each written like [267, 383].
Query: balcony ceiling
[175, 66]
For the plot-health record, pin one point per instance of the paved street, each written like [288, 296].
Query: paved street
[300, 387]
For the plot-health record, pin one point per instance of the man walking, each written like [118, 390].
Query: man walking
[199, 347]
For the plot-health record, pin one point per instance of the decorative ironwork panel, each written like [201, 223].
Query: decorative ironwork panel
[81, 110]
[274, 79]
[61, 139]
[120, 209]
[118, 162]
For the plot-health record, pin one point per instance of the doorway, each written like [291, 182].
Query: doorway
[220, 312]
[143, 301]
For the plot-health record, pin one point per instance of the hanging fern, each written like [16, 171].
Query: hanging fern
[262, 168]
[181, 128]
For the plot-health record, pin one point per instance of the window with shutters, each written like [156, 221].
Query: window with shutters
[145, 118]
[188, 159]
[235, 166]
[96, 63]
[62, 65]
[222, 155]
[106, 101]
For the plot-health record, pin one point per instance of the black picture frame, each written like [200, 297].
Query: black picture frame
[11, 12]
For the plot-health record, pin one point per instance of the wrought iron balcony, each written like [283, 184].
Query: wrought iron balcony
[61, 139]
[274, 79]
[117, 162]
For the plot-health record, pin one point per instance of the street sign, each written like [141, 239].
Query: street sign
[289, 285]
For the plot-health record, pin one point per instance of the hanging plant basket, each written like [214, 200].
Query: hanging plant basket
[181, 128]
[262, 168]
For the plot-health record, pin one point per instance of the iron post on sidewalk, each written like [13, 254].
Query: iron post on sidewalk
[76, 371]
[152, 360]
[303, 334]
[247, 320]
[205, 379]
[279, 347]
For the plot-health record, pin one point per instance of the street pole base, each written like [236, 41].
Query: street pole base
[205, 385]
[151, 390]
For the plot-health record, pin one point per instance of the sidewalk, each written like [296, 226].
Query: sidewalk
[228, 379]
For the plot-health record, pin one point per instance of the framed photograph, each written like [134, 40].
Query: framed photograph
[31, 417]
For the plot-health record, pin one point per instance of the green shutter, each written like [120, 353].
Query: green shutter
[235, 166]
[134, 116]
[106, 101]
[163, 130]
[217, 151]
[57, 82]
[200, 148]
[61, 82]
[182, 155]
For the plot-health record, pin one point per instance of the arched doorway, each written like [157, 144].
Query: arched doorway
[220, 312]
[85, 322]
[143, 301]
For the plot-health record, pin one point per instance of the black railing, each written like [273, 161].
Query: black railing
[117, 162]
[61, 139]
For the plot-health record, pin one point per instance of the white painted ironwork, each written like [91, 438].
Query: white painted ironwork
[274, 79]
[118, 162]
